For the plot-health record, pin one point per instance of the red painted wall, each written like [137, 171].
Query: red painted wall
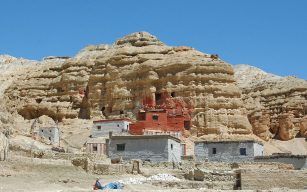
[171, 112]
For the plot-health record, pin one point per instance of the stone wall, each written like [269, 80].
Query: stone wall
[111, 169]
[268, 179]
[298, 162]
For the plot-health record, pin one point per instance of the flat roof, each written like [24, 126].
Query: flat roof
[145, 137]
[110, 120]
[230, 141]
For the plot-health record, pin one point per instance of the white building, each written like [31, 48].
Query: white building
[51, 134]
[228, 151]
[102, 128]
[154, 148]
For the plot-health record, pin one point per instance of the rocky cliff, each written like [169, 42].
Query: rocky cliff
[277, 106]
[105, 81]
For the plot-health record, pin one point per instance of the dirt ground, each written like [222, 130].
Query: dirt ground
[24, 177]
[19, 175]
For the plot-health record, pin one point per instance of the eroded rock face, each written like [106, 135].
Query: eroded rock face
[286, 129]
[303, 127]
[284, 99]
[261, 124]
[111, 81]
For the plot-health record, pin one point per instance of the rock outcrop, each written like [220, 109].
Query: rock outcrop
[277, 106]
[303, 127]
[4, 147]
[107, 81]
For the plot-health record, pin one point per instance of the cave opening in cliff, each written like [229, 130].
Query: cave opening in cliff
[103, 108]
[173, 94]
[38, 100]
[158, 98]
[121, 112]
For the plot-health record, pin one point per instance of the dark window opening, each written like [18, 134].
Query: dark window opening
[121, 112]
[142, 116]
[42, 131]
[98, 127]
[155, 117]
[50, 131]
[238, 181]
[213, 150]
[49, 138]
[173, 94]
[103, 108]
[171, 146]
[242, 151]
[120, 147]
[187, 125]
[158, 97]
[95, 148]
[117, 125]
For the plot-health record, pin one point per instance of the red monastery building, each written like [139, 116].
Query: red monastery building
[162, 113]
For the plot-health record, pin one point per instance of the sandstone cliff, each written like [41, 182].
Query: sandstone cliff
[105, 81]
[277, 106]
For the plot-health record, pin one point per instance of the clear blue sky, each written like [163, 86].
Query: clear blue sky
[269, 34]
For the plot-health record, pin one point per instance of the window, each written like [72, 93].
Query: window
[242, 151]
[142, 116]
[42, 131]
[173, 94]
[121, 112]
[120, 147]
[171, 146]
[95, 148]
[187, 125]
[98, 127]
[49, 138]
[155, 117]
[117, 125]
[213, 150]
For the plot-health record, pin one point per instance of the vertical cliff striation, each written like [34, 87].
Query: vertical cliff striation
[277, 106]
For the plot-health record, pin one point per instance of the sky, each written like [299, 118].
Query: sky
[268, 34]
